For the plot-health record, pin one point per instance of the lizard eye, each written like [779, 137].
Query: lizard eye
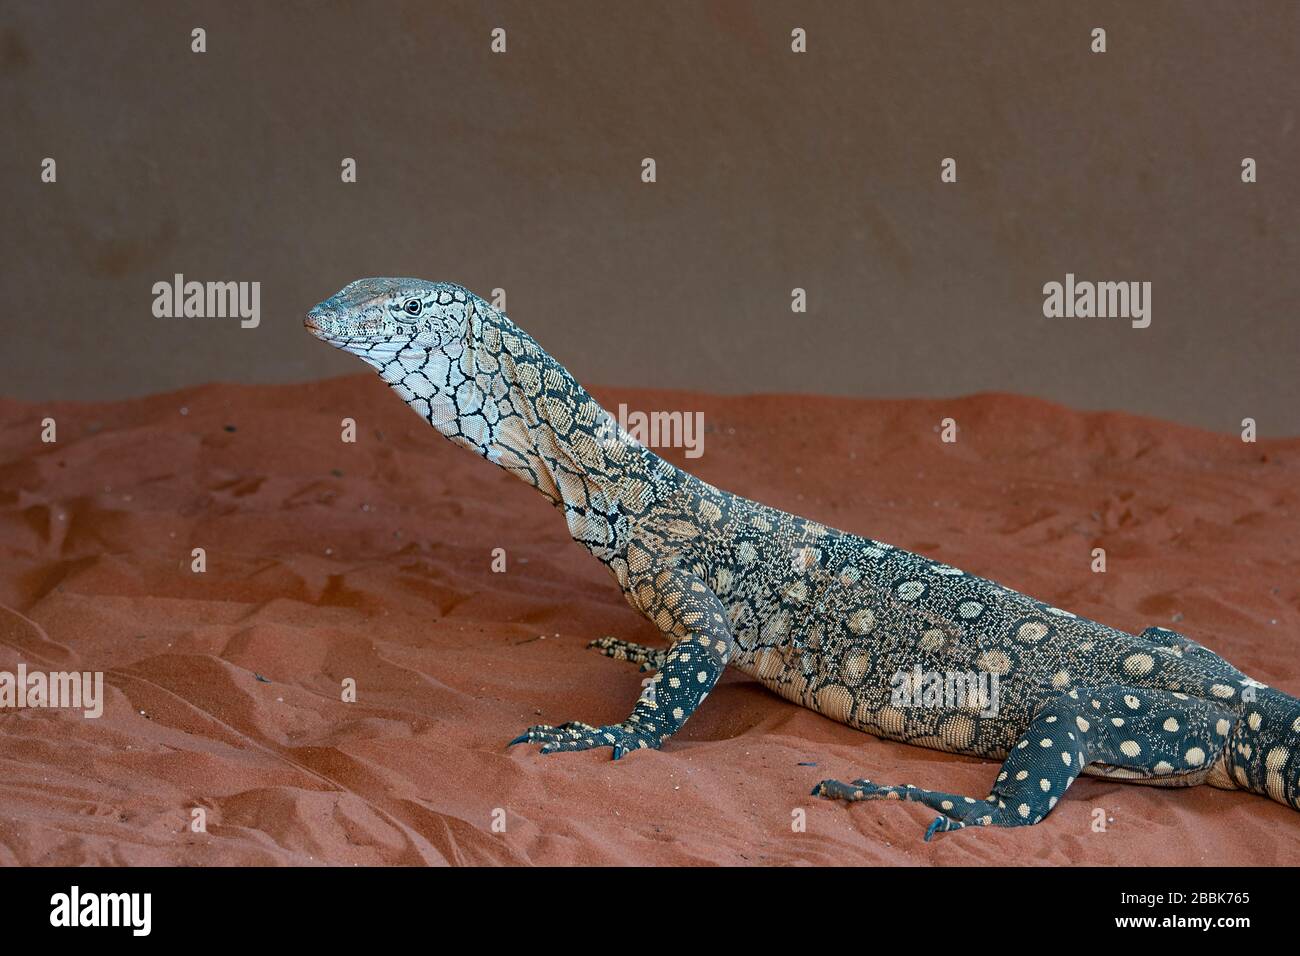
[412, 306]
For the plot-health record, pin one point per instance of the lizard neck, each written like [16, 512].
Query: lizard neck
[504, 397]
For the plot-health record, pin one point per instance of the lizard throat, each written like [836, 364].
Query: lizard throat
[523, 411]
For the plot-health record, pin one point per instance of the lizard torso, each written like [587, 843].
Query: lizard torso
[837, 623]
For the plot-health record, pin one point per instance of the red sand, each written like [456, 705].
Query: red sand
[372, 561]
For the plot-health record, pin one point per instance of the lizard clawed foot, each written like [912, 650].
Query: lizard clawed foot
[576, 735]
[866, 790]
[857, 790]
[650, 658]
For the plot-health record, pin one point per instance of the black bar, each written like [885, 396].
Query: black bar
[330, 906]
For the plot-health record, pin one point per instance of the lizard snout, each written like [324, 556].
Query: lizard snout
[319, 321]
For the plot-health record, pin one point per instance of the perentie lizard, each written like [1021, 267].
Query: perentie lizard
[835, 622]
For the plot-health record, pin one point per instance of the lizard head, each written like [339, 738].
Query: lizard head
[426, 340]
[375, 319]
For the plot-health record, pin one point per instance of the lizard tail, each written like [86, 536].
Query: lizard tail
[1263, 750]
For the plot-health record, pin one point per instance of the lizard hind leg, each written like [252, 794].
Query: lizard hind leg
[1153, 733]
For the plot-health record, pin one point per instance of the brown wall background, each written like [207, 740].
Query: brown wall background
[776, 170]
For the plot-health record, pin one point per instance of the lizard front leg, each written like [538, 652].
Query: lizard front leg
[691, 614]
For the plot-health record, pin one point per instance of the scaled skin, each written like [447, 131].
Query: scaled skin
[824, 618]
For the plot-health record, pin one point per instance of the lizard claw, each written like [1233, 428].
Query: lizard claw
[942, 825]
